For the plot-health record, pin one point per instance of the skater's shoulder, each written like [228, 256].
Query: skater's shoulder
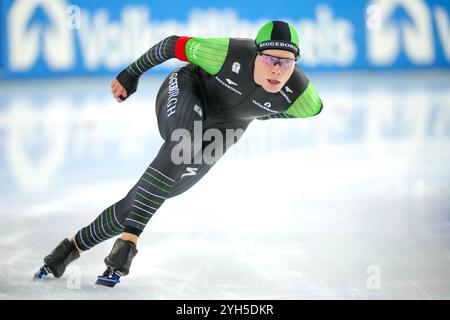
[242, 47]
[244, 42]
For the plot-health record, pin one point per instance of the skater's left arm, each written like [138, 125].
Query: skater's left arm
[207, 53]
[126, 82]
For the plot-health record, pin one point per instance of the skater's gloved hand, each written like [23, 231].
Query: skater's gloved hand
[124, 86]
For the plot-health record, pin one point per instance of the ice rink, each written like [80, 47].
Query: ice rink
[351, 204]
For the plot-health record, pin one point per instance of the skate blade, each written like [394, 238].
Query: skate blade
[43, 271]
[108, 281]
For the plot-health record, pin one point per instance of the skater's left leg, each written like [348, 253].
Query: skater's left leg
[57, 261]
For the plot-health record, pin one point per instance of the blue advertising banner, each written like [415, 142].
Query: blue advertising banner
[45, 38]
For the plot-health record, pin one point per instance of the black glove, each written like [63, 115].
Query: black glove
[128, 81]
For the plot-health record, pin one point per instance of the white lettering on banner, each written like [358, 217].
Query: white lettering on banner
[405, 24]
[443, 27]
[113, 44]
[38, 27]
[327, 41]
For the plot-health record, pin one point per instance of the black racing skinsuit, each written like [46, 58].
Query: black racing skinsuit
[216, 90]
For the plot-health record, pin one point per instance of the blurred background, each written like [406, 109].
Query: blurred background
[352, 204]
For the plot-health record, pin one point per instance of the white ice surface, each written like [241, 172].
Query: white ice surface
[313, 213]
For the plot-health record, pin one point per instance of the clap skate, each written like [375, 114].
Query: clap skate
[57, 261]
[118, 263]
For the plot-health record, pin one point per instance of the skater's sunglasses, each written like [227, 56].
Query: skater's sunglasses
[273, 61]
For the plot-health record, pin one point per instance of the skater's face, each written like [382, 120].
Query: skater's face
[273, 68]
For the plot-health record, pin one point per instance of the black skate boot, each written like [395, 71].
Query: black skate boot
[118, 263]
[57, 261]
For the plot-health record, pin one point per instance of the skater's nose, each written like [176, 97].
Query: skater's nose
[276, 70]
